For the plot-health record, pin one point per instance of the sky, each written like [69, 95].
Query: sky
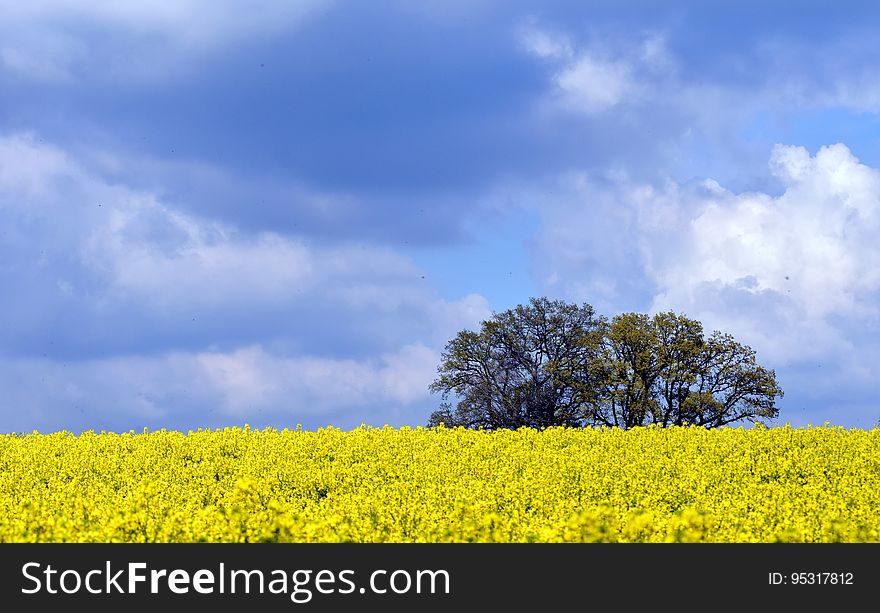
[277, 213]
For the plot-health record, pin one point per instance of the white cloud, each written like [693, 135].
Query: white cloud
[161, 257]
[53, 40]
[185, 19]
[140, 247]
[687, 115]
[814, 244]
[594, 240]
[593, 80]
[25, 165]
[783, 74]
[793, 273]
[546, 45]
[82, 252]
[406, 374]
[655, 54]
[861, 94]
[250, 379]
[592, 85]
[788, 274]
[203, 388]
[144, 249]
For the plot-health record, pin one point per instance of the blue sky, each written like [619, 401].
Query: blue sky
[278, 213]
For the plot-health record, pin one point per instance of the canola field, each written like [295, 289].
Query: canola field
[443, 485]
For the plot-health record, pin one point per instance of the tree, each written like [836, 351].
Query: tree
[552, 363]
[662, 370]
[504, 375]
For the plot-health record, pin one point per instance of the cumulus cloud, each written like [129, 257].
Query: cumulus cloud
[812, 245]
[109, 279]
[793, 273]
[785, 272]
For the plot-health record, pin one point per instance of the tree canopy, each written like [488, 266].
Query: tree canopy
[556, 364]
[507, 374]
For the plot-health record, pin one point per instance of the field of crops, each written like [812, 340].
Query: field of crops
[402, 485]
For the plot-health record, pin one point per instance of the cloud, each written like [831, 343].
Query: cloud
[126, 308]
[138, 247]
[52, 40]
[603, 73]
[592, 85]
[812, 245]
[206, 389]
[546, 45]
[584, 81]
[251, 378]
[663, 98]
[791, 273]
[25, 164]
[150, 253]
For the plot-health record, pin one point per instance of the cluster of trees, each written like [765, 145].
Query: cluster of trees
[551, 363]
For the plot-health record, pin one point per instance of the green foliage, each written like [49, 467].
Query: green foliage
[552, 364]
